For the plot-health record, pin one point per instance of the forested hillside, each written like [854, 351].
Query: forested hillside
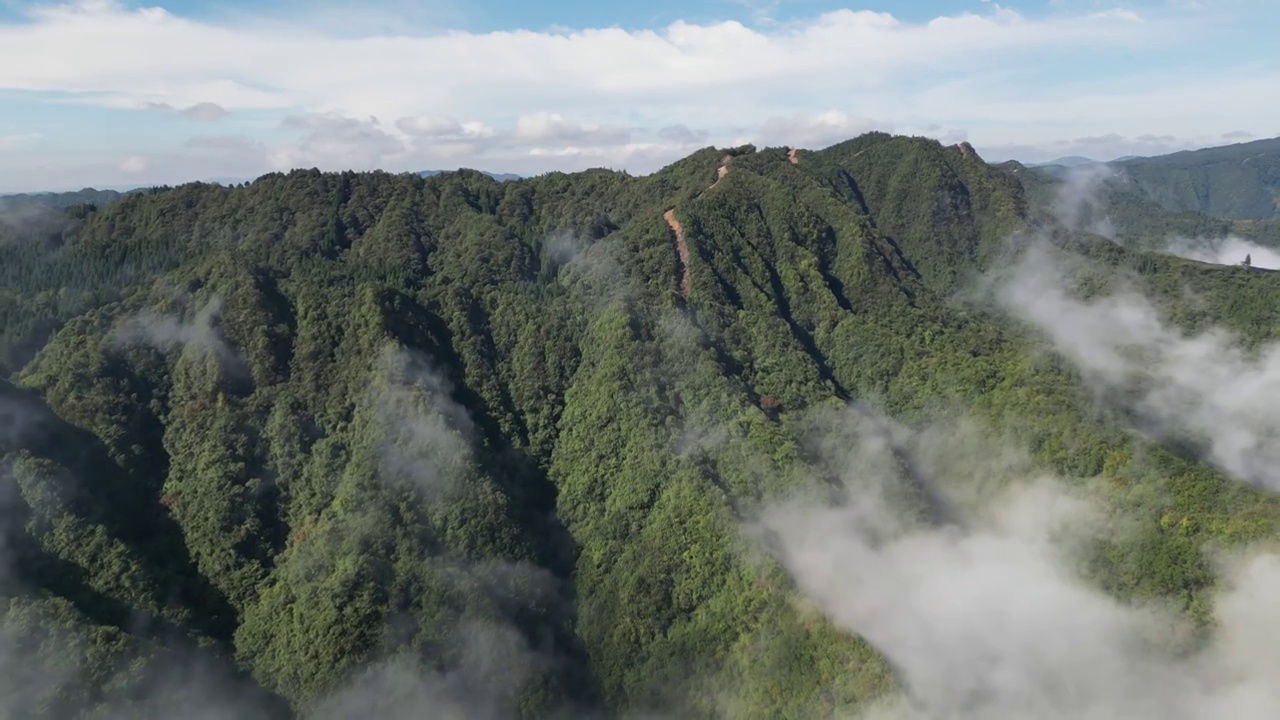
[374, 445]
[1209, 193]
[1240, 182]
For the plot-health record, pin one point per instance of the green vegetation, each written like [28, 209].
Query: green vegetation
[1209, 193]
[292, 430]
[1240, 182]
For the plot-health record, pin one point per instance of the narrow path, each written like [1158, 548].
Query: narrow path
[682, 249]
[722, 170]
[677, 231]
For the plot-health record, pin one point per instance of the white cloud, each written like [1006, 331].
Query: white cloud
[511, 97]
[817, 130]
[553, 127]
[133, 164]
[1230, 250]
[437, 127]
[333, 140]
[103, 47]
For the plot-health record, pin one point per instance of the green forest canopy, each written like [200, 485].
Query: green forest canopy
[328, 440]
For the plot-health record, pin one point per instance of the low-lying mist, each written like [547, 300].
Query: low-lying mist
[1081, 201]
[989, 616]
[1230, 250]
[1205, 387]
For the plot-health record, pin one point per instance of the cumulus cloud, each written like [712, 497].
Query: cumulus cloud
[213, 63]
[437, 127]
[567, 98]
[554, 128]
[1202, 388]
[988, 617]
[333, 140]
[816, 131]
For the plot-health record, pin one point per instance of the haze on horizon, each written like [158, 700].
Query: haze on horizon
[250, 88]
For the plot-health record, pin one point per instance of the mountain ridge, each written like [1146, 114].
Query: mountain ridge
[375, 428]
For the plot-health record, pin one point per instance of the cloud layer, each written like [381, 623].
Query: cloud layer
[527, 101]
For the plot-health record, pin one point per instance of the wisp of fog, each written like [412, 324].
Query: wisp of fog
[988, 619]
[1230, 250]
[1203, 387]
[1078, 201]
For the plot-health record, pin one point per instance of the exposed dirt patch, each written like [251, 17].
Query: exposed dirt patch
[682, 250]
[677, 232]
[721, 171]
[791, 157]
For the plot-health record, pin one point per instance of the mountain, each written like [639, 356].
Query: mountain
[500, 177]
[1239, 182]
[56, 201]
[335, 445]
[43, 217]
[1068, 161]
[1209, 193]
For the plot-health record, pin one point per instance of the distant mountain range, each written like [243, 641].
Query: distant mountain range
[1068, 161]
[1234, 182]
[500, 177]
[120, 189]
[1078, 160]
[1238, 182]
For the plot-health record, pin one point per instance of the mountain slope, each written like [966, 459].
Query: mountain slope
[366, 439]
[1108, 200]
[1202, 193]
[1239, 182]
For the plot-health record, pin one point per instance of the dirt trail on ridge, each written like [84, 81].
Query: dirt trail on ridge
[677, 230]
[721, 171]
[682, 249]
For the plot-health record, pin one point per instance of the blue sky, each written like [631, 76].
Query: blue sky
[490, 15]
[126, 93]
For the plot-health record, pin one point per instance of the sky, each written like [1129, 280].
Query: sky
[113, 93]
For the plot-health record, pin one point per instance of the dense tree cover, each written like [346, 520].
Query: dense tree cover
[1238, 181]
[287, 444]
